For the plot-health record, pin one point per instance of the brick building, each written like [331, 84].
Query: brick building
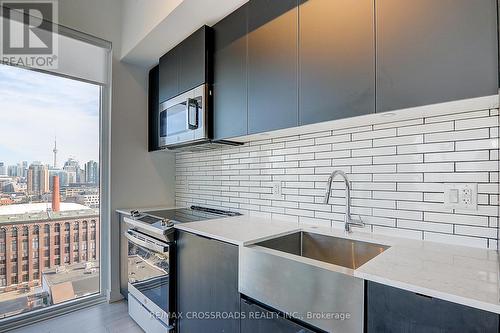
[32, 242]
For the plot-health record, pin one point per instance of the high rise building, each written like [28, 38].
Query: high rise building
[63, 177]
[92, 172]
[72, 168]
[12, 171]
[38, 179]
[24, 166]
[3, 170]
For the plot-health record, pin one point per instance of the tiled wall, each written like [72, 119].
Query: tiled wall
[397, 169]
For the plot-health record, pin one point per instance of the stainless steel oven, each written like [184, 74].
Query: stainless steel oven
[183, 120]
[150, 286]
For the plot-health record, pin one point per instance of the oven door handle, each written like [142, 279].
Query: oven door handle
[148, 243]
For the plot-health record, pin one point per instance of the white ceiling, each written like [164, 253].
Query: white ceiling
[153, 27]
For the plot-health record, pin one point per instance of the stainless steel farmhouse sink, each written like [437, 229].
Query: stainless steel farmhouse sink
[280, 273]
[338, 251]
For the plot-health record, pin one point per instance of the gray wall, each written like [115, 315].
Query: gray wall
[138, 178]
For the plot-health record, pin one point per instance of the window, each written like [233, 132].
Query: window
[66, 110]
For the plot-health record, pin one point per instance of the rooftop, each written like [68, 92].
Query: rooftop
[42, 211]
[71, 281]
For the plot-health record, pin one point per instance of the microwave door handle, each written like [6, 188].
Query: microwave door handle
[192, 113]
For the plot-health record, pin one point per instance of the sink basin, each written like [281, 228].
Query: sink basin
[273, 273]
[338, 251]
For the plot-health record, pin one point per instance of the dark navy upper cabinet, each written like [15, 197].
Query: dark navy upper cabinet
[230, 75]
[169, 74]
[337, 59]
[394, 310]
[187, 65]
[196, 59]
[432, 51]
[272, 65]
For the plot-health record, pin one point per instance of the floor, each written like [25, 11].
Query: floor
[102, 318]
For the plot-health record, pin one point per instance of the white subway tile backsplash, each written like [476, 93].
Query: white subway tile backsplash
[474, 134]
[480, 155]
[477, 144]
[398, 170]
[426, 128]
[476, 123]
[400, 140]
[426, 148]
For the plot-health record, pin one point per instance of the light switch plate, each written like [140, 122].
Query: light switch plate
[460, 196]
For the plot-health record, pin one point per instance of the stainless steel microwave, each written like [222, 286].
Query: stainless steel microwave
[183, 120]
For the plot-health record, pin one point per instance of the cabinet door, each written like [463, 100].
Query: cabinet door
[259, 320]
[432, 51]
[207, 281]
[153, 109]
[193, 59]
[337, 59]
[272, 65]
[230, 75]
[169, 75]
[394, 310]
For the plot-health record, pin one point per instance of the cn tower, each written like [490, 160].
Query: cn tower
[55, 153]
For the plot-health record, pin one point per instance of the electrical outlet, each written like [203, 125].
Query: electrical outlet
[277, 190]
[460, 196]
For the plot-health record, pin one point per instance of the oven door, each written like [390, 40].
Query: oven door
[183, 118]
[149, 274]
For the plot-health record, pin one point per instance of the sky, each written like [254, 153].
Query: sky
[36, 107]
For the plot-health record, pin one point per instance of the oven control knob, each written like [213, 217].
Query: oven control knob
[167, 223]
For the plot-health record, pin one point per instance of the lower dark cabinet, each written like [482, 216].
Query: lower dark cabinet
[394, 310]
[207, 285]
[257, 319]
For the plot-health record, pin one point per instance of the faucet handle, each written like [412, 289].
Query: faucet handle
[357, 222]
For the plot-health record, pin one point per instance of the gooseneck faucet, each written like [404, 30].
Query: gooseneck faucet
[349, 221]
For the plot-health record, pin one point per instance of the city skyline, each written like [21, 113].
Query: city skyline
[68, 109]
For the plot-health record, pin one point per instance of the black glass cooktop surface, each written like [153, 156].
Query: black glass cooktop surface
[182, 215]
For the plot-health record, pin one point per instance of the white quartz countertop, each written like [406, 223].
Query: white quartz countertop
[459, 274]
